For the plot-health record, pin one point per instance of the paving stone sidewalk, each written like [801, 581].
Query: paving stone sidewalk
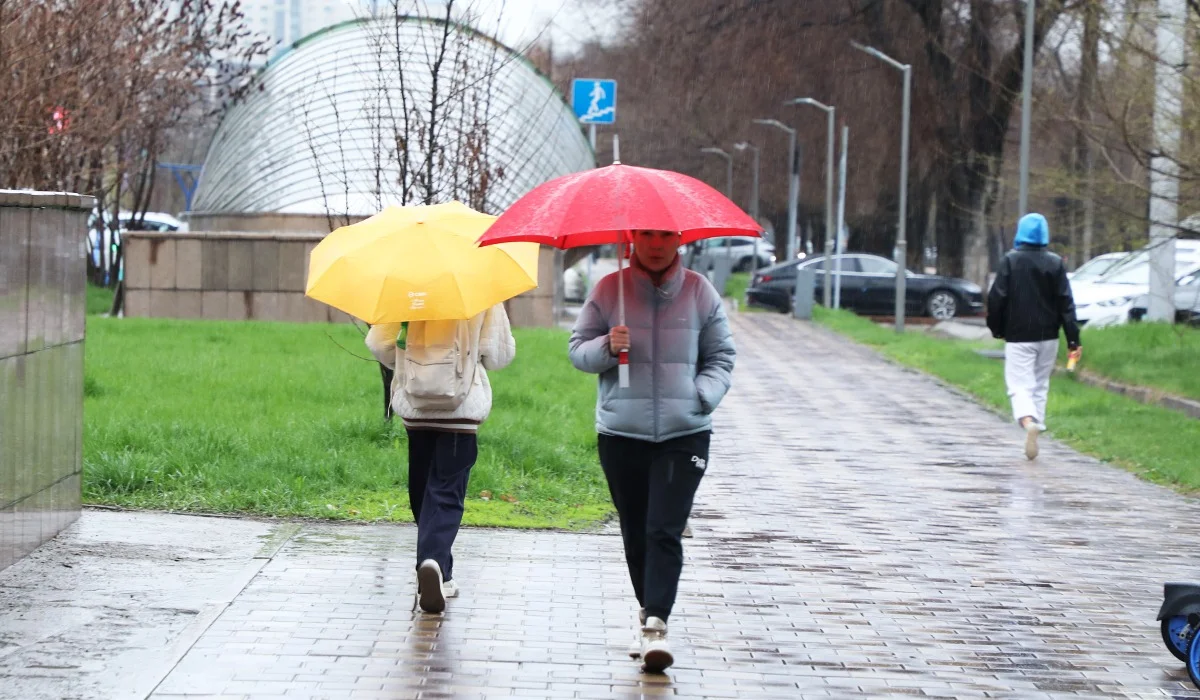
[862, 531]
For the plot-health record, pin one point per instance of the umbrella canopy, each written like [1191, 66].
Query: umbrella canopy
[596, 207]
[418, 263]
[601, 206]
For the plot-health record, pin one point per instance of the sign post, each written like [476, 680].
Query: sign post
[595, 102]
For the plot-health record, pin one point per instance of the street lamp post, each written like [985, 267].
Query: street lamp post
[793, 183]
[728, 187]
[901, 240]
[754, 150]
[841, 220]
[1026, 108]
[728, 168]
[753, 196]
[831, 137]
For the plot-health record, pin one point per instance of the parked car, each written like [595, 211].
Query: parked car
[102, 243]
[739, 249]
[1109, 299]
[579, 280]
[869, 287]
[151, 221]
[1187, 300]
[1097, 266]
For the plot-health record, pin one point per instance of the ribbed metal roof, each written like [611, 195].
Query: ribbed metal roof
[320, 134]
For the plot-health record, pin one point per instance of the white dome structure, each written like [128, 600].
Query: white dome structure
[342, 124]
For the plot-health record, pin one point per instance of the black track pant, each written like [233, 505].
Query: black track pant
[652, 486]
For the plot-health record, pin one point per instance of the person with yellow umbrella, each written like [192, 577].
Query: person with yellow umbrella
[435, 301]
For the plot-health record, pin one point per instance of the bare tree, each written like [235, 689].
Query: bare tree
[698, 71]
[95, 88]
[427, 128]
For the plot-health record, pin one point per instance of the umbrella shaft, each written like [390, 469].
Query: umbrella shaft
[620, 281]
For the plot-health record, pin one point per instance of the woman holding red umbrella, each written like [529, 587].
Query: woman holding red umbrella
[657, 336]
[654, 435]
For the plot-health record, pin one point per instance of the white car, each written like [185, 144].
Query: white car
[1108, 299]
[1096, 267]
[1187, 300]
[152, 221]
[739, 249]
[579, 280]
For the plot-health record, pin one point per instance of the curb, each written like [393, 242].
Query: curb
[1141, 394]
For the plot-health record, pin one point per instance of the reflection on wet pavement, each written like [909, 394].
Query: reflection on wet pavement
[861, 531]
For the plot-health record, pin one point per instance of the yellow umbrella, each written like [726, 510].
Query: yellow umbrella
[418, 263]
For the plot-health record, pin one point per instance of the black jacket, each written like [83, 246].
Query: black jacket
[1031, 298]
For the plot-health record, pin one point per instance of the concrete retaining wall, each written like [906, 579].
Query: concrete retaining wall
[259, 275]
[43, 288]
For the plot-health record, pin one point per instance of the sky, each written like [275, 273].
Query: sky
[517, 23]
[569, 23]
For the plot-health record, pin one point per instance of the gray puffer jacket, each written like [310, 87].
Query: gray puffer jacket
[680, 358]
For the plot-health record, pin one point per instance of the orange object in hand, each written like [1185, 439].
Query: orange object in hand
[1073, 358]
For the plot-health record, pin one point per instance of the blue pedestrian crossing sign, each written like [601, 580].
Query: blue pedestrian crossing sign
[595, 101]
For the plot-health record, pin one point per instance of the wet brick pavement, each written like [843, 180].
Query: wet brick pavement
[862, 531]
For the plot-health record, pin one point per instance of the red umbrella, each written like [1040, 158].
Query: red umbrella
[594, 207]
[601, 206]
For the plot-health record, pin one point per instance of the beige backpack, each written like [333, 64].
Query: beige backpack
[438, 367]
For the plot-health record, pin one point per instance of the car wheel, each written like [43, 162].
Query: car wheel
[743, 265]
[942, 305]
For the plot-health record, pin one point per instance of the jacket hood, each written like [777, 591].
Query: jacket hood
[1032, 230]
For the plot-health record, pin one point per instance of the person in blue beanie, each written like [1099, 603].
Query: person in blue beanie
[1028, 305]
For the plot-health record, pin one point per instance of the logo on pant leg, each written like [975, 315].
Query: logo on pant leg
[700, 463]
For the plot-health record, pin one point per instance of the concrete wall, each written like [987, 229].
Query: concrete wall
[42, 306]
[265, 222]
[234, 276]
[541, 307]
[261, 275]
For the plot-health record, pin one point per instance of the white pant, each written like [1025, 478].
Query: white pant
[1027, 370]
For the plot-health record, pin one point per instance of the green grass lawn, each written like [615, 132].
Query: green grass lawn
[736, 284]
[282, 420]
[1155, 443]
[735, 288]
[99, 300]
[1156, 355]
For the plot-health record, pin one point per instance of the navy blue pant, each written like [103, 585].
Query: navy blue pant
[652, 487]
[439, 465]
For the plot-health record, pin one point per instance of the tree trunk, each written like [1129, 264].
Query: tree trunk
[971, 190]
[976, 264]
[931, 229]
[118, 303]
[387, 390]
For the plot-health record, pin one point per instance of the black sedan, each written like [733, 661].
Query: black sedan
[868, 287]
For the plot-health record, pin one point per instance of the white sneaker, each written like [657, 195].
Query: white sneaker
[1032, 432]
[450, 589]
[635, 647]
[430, 594]
[687, 530]
[656, 653]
